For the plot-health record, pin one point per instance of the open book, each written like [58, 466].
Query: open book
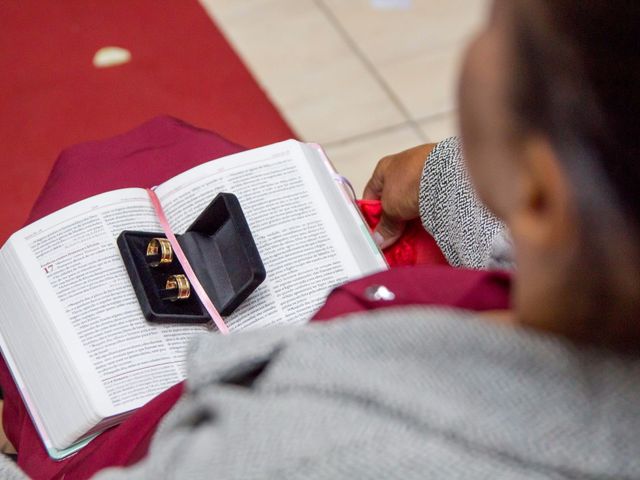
[71, 328]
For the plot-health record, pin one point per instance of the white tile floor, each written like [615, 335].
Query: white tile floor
[362, 81]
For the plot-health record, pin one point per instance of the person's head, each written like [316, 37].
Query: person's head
[550, 121]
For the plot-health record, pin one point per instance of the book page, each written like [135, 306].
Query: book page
[302, 245]
[71, 259]
[75, 258]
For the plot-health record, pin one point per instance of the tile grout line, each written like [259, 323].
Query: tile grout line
[388, 129]
[435, 116]
[365, 135]
[335, 22]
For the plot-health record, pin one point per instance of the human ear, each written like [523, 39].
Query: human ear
[544, 213]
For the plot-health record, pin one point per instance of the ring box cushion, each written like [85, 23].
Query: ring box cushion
[222, 253]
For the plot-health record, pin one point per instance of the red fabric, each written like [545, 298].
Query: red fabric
[415, 247]
[147, 156]
[51, 96]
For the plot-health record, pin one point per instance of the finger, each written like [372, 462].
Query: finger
[388, 231]
[373, 189]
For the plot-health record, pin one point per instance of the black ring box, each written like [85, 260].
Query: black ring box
[222, 253]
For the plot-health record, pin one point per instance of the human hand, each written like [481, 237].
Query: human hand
[396, 183]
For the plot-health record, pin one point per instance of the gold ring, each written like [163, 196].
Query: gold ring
[159, 247]
[179, 283]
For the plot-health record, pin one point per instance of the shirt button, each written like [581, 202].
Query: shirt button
[379, 293]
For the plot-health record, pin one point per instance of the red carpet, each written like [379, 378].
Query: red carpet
[51, 96]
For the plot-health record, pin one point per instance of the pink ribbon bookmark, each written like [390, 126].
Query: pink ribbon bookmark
[186, 266]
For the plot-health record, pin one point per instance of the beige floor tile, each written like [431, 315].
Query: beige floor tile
[440, 127]
[416, 51]
[426, 83]
[357, 158]
[319, 84]
[427, 26]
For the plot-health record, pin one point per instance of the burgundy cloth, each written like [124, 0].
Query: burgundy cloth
[146, 156]
[422, 285]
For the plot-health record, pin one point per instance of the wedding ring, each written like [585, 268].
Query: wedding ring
[159, 252]
[179, 283]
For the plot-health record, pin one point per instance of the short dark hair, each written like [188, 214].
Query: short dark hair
[578, 83]
[577, 72]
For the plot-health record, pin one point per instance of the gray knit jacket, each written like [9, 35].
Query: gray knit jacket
[408, 393]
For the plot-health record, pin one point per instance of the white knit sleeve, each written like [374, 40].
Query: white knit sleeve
[468, 234]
